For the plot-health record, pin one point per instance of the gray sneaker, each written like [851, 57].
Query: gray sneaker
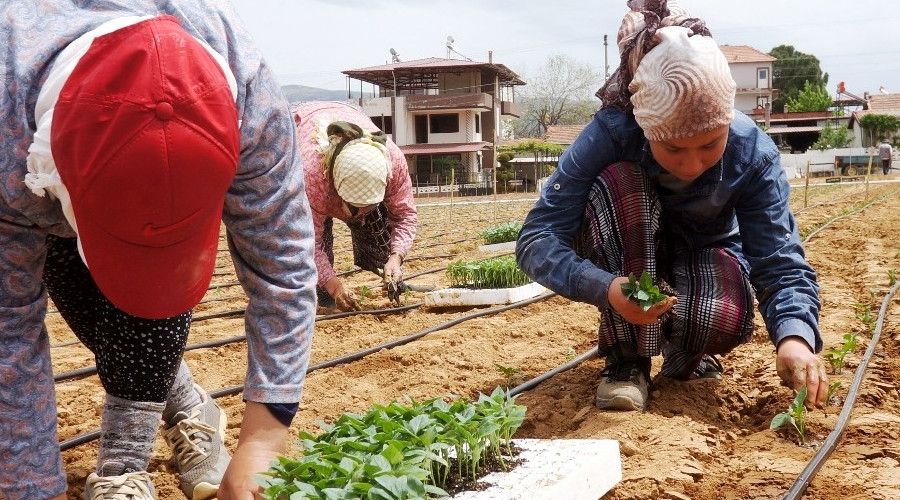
[197, 442]
[624, 383]
[116, 482]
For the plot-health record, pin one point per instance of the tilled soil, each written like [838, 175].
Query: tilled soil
[699, 440]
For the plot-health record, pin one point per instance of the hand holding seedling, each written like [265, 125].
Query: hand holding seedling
[647, 305]
[799, 367]
[344, 298]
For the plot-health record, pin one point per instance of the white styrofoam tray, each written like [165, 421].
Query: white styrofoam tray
[508, 246]
[449, 297]
[555, 469]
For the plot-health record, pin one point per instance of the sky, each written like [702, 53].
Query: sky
[310, 42]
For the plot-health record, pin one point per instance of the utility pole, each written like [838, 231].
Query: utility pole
[605, 59]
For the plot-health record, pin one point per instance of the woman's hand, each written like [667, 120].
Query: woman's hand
[631, 311]
[797, 366]
[392, 268]
[343, 297]
[262, 439]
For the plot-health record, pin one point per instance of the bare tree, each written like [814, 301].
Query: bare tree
[561, 93]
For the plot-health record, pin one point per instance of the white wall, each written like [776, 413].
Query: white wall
[820, 161]
[744, 75]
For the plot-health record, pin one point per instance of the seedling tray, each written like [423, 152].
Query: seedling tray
[453, 297]
[508, 246]
[571, 469]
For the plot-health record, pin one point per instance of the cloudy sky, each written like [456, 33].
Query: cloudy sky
[311, 41]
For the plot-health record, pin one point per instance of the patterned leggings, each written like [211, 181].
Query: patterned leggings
[137, 358]
[622, 234]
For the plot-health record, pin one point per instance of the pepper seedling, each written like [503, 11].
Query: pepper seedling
[892, 277]
[835, 356]
[795, 415]
[643, 291]
[832, 391]
[509, 372]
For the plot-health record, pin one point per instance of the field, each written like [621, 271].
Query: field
[699, 440]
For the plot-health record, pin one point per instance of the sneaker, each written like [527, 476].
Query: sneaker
[624, 383]
[197, 442]
[116, 482]
[709, 368]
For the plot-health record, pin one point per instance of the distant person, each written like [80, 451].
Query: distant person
[356, 174]
[669, 179]
[131, 131]
[885, 152]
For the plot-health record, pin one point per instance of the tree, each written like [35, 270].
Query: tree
[811, 98]
[879, 126]
[791, 71]
[561, 93]
[833, 137]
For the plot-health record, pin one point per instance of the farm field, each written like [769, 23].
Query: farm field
[702, 440]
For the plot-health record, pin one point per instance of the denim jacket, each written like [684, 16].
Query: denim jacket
[740, 204]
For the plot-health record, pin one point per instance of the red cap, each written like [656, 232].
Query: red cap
[145, 139]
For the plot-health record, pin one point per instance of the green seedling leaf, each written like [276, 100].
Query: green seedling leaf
[833, 387]
[642, 291]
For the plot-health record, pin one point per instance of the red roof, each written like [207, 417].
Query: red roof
[744, 54]
[402, 72]
[563, 134]
[455, 147]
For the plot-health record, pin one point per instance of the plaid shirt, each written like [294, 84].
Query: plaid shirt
[323, 198]
[266, 215]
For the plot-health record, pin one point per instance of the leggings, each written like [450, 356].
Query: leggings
[137, 358]
[623, 233]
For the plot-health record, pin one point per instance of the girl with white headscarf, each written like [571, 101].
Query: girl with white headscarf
[670, 180]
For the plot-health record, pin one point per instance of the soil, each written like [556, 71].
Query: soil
[703, 439]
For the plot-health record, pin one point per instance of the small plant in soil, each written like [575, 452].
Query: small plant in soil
[643, 291]
[892, 277]
[570, 353]
[501, 233]
[836, 355]
[833, 387]
[365, 292]
[496, 272]
[864, 314]
[795, 416]
[510, 372]
[417, 450]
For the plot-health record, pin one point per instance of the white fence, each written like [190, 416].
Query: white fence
[819, 161]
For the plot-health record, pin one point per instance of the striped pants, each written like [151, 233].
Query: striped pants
[623, 233]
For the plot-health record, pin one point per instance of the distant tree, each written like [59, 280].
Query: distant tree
[879, 126]
[810, 98]
[791, 71]
[833, 137]
[561, 93]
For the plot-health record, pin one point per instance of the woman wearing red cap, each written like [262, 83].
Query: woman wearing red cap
[128, 137]
[354, 173]
[668, 179]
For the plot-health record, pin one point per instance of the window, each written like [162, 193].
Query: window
[762, 78]
[384, 123]
[762, 102]
[444, 124]
[477, 123]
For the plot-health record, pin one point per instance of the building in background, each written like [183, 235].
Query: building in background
[752, 72]
[444, 114]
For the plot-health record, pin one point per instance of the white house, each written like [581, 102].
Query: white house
[752, 72]
[876, 104]
[444, 114]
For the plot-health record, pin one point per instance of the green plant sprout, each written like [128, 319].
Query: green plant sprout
[892, 277]
[835, 356]
[501, 233]
[497, 272]
[864, 314]
[407, 295]
[643, 291]
[570, 353]
[399, 451]
[365, 292]
[510, 372]
[833, 387]
[795, 415]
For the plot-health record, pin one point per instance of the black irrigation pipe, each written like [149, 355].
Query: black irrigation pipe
[348, 358]
[530, 384]
[90, 370]
[848, 214]
[831, 442]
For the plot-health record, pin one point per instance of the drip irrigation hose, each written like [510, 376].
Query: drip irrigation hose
[848, 214]
[90, 370]
[834, 436]
[348, 358]
[592, 353]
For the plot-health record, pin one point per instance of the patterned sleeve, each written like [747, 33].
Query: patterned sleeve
[271, 240]
[399, 200]
[323, 263]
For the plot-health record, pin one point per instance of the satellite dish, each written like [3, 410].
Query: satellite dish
[450, 41]
[395, 57]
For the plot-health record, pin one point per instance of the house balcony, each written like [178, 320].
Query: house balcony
[509, 108]
[439, 102]
[756, 91]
